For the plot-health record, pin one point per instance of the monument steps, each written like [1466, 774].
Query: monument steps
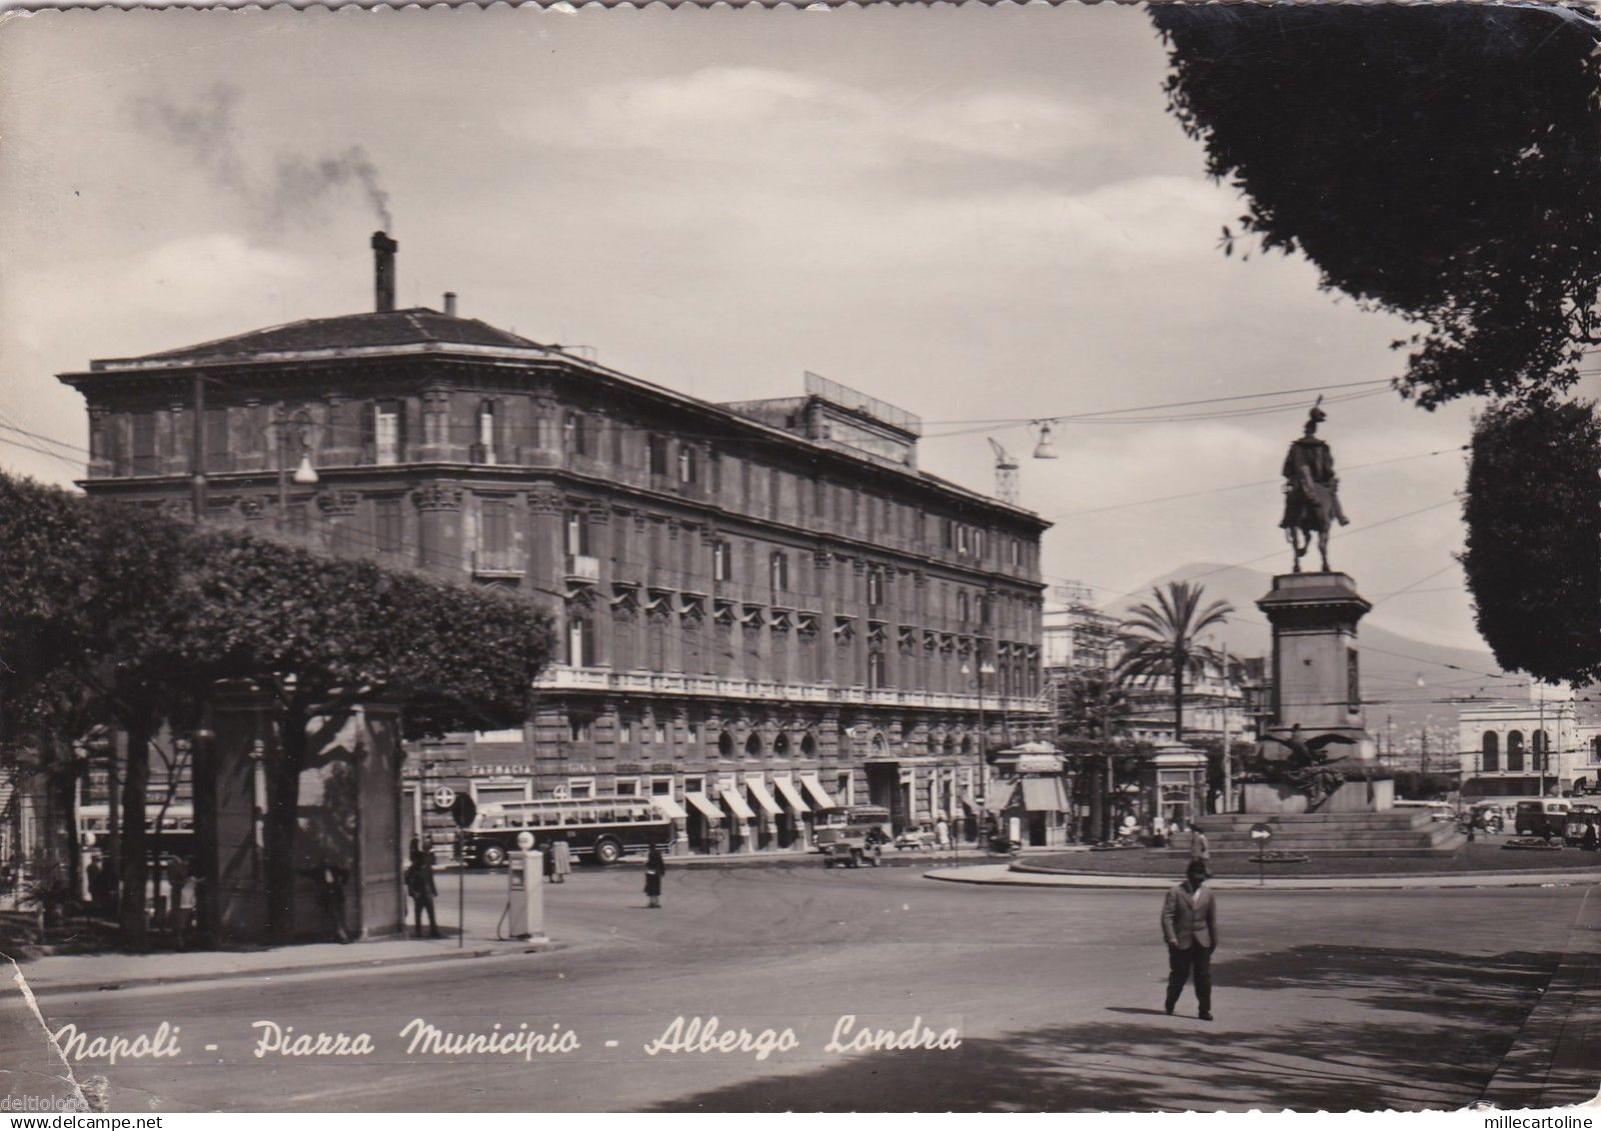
[1393, 831]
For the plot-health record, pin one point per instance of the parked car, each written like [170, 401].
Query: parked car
[918, 838]
[1544, 817]
[1491, 816]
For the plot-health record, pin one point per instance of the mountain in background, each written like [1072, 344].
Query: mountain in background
[1391, 663]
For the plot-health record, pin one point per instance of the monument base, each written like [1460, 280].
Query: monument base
[1394, 832]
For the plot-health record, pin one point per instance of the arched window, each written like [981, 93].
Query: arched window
[725, 745]
[781, 745]
[1492, 751]
[1514, 751]
[933, 743]
[753, 745]
[961, 605]
[808, 746]
[1595, 749]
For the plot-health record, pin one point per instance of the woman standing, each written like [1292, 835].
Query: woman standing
[655, 868]
[562, 859]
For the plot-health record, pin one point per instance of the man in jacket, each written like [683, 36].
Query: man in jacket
[1189, 924]
[420, 883]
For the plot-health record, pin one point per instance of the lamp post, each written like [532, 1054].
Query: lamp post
[299, 422]
[984, 668]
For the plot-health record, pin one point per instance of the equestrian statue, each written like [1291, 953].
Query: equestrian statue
[1311, 491]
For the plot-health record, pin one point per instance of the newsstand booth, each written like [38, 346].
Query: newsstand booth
[1031, 800]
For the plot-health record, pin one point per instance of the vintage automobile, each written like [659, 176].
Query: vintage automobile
[918, 838]
[1546, 817]
[1581, 817]
[854, 848]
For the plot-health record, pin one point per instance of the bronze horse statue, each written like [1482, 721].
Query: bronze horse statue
[1311, 492]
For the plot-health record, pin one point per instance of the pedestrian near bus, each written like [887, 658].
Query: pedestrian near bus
[1189, 927]
[655, 869]
[420, 884]
[561, 859]
[547, 862]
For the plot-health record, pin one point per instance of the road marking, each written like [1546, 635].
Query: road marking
[211, 1048]
[611, 1044]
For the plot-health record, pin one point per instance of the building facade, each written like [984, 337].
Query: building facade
[1549, 744]
[764, 609]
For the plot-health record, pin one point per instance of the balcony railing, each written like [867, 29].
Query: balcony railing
[560, 676]
[497, 563]
[582, 567]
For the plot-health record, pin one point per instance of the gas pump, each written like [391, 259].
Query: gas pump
[525, 897]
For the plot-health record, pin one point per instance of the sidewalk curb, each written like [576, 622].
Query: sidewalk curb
[45, 989]
[1552, 1061]
[1080, 881]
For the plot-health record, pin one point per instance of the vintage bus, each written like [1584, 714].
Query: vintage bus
[604, 829]
[868, 821]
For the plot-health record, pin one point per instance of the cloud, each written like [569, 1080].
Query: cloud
[734, 113]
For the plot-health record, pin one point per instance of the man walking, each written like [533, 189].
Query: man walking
[1189, 925]
[1200, 850]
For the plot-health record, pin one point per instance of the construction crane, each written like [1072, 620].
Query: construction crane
[1005, 474]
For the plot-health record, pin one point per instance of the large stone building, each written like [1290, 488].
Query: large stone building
[763, 608]
[1549, 743]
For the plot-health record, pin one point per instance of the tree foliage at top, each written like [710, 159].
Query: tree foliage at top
[1439, 162]
[1533, 558]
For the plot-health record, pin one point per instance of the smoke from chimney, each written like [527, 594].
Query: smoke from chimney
[299, 188]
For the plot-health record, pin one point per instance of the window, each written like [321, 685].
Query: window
[686, 464]
[144, 443]
[694, 784]
[581, 789]
[875, 670]
[978, 544]
[298, 518]
[843, 792]
[961, 539]
[388, 433]
[216, 439]
[625, 730]
[656, 452]
[577, 532]
[714, 465]
[778, 571]
[660, 730]
[390, 531]
[774, 491]
[947, 533]
[1017, 551]
[722, 561]
[627, 787]
[1492, 752]
[1514, 751]
[875, 586]
[616, 442]
[962, 609]
[494, 534]
[342, 540]
[580, 642]
[576, 431]
[486, 430]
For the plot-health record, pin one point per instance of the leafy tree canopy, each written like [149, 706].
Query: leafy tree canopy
[1439, 162]
[1533, 558]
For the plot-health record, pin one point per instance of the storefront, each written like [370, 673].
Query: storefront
[1173, 784]
[1032, 796]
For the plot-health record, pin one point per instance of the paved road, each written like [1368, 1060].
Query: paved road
[1352, 1000]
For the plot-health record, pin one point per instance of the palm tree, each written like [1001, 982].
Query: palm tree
[1162, 640]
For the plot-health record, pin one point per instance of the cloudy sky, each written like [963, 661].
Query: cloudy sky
[985, 216]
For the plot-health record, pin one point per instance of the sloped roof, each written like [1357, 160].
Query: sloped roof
[418, 325]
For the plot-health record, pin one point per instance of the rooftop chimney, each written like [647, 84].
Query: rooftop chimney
[383, 255]
[450, 303]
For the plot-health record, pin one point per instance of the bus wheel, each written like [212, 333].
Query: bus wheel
[608, 851]
[492, 856]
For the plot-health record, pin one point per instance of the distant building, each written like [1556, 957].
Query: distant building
[765, 610]
[1548, 744]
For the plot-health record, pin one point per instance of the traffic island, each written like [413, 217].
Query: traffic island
[1486, 857]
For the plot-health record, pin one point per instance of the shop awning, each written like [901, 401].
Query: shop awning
[669, 808]
[1044, 795]
[737, 804]
[791, 795]
[707, 807]
[758, 790]
[1000, 798]
[818, 794]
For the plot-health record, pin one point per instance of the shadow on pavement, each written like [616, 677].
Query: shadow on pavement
[1450, 1020]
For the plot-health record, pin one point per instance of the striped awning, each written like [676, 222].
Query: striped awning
[818, 794]
[791, 795]
[707, 807]
[758, 791]
[736, 803]
[669, 808]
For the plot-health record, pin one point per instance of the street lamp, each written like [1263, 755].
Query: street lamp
[299, 422]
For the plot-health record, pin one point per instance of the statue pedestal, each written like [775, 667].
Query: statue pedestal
[1316, 680]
